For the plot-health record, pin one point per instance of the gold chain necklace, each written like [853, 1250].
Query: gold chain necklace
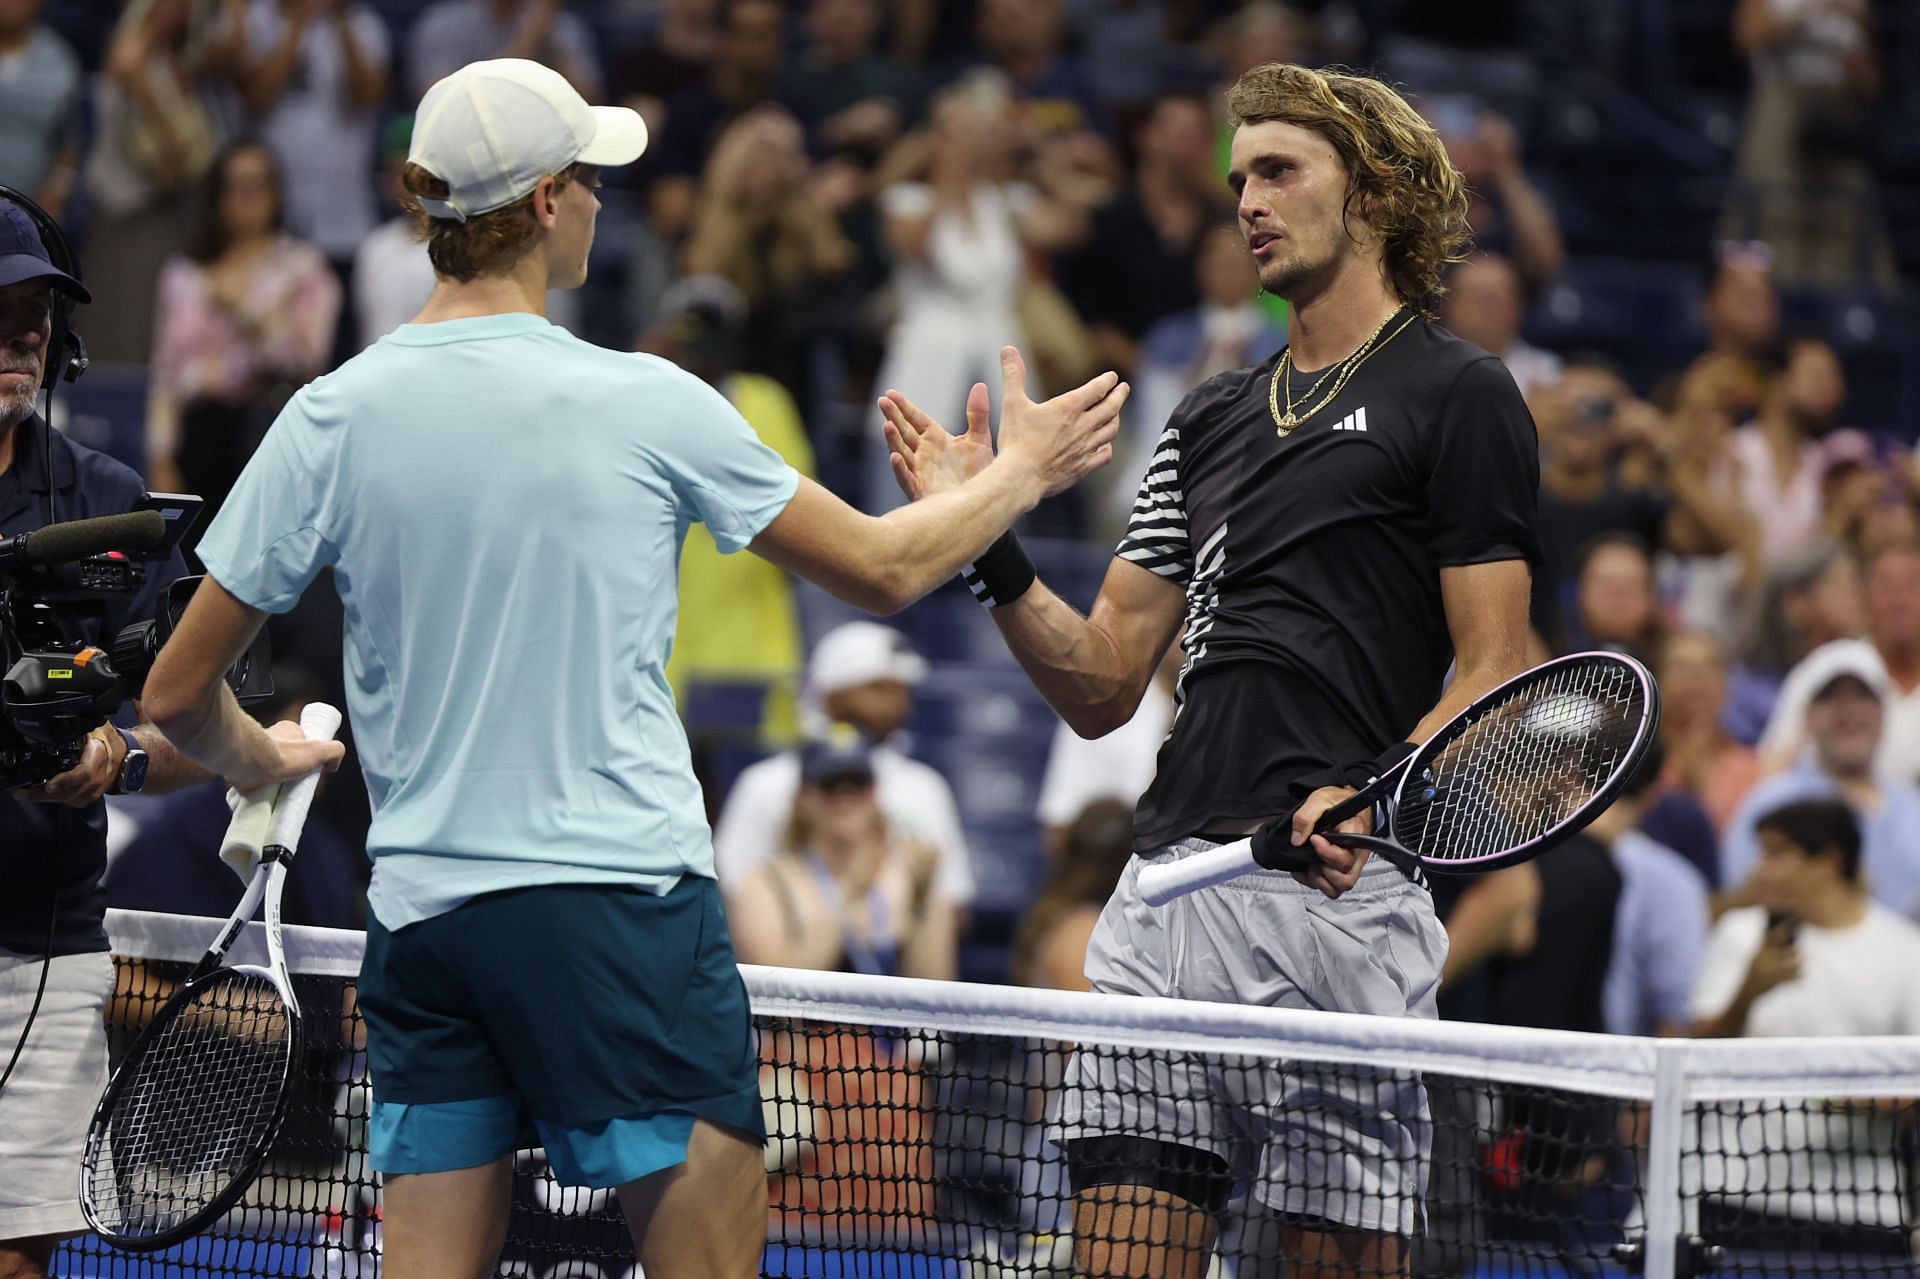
[1285, 423]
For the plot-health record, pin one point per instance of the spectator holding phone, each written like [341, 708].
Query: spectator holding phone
[1793, 962]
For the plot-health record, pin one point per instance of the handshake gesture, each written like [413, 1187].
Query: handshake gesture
[1061, 441]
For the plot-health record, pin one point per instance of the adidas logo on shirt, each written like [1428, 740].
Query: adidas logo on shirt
[1354, 421]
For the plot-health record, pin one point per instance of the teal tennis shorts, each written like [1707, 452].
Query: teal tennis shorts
[597, 1020]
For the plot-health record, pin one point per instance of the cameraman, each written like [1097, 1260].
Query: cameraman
[53, 836]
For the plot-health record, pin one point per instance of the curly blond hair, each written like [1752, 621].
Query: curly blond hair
[486, 244]
[1401, 182]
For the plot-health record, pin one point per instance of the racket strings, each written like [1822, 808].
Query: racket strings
[200, 1105]
[1525, 767]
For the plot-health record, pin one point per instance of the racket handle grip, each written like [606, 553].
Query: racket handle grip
[321, 722]
[1161, 882]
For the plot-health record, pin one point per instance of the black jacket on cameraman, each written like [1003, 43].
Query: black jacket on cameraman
[32, 879]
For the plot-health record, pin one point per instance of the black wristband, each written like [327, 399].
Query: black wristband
[1002, 574]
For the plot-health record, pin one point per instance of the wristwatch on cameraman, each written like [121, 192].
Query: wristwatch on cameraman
[133, 768]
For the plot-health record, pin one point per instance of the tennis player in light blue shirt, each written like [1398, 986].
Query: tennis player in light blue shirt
[503, 508]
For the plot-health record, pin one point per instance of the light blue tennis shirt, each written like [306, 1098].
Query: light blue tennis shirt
[503, 507]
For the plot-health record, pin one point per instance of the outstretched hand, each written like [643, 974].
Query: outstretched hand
[1063, 440]
[927, 458]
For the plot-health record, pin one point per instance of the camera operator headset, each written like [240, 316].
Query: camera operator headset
[78, 483]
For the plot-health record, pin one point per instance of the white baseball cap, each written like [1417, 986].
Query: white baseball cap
[492, 130]
[859, 653]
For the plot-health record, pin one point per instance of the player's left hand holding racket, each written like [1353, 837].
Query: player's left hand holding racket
[1506, 779]
[193, 1110]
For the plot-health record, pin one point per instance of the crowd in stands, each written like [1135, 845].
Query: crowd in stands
[843, 196]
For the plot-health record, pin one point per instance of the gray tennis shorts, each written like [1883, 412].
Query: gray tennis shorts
[1339, 1143]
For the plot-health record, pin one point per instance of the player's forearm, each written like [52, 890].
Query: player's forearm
[214, 732]
[1469, 683]
[928, 542]
[1074, 664]
[167, 768]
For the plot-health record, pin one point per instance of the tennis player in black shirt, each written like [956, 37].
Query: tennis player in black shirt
[1336, 527]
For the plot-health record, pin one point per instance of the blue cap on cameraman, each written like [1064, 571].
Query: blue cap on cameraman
[23, 256]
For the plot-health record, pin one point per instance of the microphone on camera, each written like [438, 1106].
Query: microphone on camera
[77, 539]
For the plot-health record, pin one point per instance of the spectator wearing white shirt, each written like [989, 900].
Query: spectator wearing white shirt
[861, 674]
[312, 74]
[1814, 955]
[1892, 645]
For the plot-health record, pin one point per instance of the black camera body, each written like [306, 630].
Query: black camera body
[56, 686]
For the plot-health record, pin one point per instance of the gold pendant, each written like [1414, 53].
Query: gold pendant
[1286, 425]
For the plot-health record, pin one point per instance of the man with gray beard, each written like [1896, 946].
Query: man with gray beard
[55, 974]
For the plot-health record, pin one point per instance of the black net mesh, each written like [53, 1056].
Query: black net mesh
[919, 1153]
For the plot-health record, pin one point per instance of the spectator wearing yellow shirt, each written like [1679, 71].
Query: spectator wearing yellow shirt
[738, 623]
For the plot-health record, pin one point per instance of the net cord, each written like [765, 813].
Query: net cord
[1613, 1065]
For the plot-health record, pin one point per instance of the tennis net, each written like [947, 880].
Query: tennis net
[911, 1134]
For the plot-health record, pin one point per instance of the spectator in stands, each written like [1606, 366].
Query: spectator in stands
[675, 55]
[960, 231]
[1741, 311]
[737, 620]
[759, 227]
[742, 76]
[1702, 758]
[1485, 304]
[452, 33]
[1811, 134]
[1811, 954]
[1155, 225]
[1844, 721]
[247, 308]
[1892, 644]
[1050, 947]
[1781, 465]
[392, 277]
[1812, 599]
[1659, 923]
[1713, 565]
[41, 84]
[1228, 330]
[859, 673]
[1025, 40]
[1608, 463]
[846, 891]
[1614, 605]
[1083, 771]
[1607, 940]
[1128, 44]
[849, 98]
[1509, 216]
[155, 136]
[312, 73]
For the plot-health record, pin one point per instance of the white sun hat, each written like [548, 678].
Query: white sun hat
[492, 130]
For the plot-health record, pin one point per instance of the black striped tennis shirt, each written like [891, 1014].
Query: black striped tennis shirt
[1315, 633]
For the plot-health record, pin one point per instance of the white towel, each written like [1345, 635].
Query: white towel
[248, 832]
